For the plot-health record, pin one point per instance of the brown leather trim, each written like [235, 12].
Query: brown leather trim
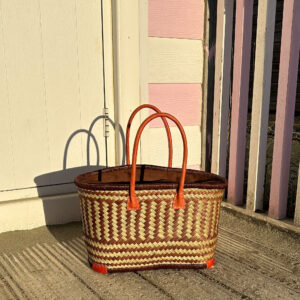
[118, 178]
[157, 267]
[191, 266]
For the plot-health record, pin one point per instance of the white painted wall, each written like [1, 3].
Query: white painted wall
[51, 86]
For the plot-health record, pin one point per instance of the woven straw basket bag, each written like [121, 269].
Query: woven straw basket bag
[138, 217]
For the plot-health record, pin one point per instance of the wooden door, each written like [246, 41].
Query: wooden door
[56, 75]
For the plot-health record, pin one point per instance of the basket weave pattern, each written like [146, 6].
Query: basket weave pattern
[155, 235]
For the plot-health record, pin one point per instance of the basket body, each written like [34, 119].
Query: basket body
[157, 235]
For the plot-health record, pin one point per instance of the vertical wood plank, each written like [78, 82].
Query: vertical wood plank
[297, 208]
[242, 51]
[63, 94]
[89, 71]
[24, 74]
[260, 103]
[7, 177]
[144, 75]
[108, 69]
[205, 90]
[222, 86]
[126, 66]
[285, 109]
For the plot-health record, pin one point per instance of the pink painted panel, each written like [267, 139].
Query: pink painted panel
[287, 85]
[176, 18]
[181, 100]
[241, 68]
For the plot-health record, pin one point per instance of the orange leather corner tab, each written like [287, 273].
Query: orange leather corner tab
[133, 203]
[179, 201]
[210, 263]
[99, 268]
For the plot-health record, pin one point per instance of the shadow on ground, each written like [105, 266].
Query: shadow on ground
[252, 262]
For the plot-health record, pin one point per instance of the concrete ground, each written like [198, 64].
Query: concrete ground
[252, 262]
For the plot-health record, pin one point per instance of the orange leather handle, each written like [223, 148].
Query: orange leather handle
[133, 202]
[166, 126]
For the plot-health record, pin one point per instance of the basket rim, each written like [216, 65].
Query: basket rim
[210, 181]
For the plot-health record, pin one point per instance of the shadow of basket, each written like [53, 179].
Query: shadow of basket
[57, 189]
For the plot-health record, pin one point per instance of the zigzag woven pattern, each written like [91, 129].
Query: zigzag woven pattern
[156, 234]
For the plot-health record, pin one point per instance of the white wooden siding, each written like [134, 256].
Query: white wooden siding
[175, 60]
[51, 85]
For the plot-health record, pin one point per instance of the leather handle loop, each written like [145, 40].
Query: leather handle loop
[166, 126]
[133, 202]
